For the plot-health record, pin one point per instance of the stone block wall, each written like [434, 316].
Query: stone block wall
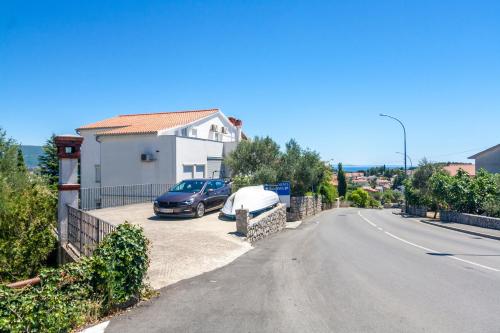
[302, 207]
[263, 225]
[328, 205]
[417, 211]
[470, 219]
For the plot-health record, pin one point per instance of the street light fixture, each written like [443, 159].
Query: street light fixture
[411, 162]
[404, 134]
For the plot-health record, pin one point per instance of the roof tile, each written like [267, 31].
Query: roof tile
[147, 122]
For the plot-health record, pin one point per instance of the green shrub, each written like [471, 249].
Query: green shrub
[239, 182]
[120, 264]
[27, 216]
[328, 192]
[359, 198]
[63, 300]
[71, 295]
[374, 203]
[492, 207]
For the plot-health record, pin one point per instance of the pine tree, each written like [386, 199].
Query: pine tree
[342, 187]
[49, 162]
[20, 160]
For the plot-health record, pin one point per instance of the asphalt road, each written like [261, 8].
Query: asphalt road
[339, 272]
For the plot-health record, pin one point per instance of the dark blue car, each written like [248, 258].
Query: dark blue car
[192, 197]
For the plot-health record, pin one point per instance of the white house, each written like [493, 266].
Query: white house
[156, 148]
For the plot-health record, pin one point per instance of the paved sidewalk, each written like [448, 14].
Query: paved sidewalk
[469, 229]
[180, 247]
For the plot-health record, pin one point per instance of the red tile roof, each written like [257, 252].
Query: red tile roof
[453, 169]
[147, 122]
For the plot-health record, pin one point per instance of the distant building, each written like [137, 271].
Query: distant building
[488, 159]
[353, 175]
[467, 167]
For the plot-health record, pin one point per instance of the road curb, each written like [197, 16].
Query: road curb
[475, 233]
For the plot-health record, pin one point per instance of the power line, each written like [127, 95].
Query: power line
[460, 152]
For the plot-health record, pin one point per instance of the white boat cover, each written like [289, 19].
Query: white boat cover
[253, 198]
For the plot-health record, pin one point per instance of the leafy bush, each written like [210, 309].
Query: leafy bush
[465, 194]
[27, 216]
[239, 182]
[359, 198]
[62, 301]
[492, 207]
[374, 203]
[328, 192]
[120, 264]
[71, 295]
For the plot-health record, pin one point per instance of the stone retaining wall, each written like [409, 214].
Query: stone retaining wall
[328, 205]
[263, 225]
[302, 207]
[417, 211]
[470, 219]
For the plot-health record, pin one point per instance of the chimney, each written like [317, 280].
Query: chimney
[238, 123]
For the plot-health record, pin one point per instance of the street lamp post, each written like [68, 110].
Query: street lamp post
[404, 137]
[411, 162]
[404, 134]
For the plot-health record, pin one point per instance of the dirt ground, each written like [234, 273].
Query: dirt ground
[180, 247]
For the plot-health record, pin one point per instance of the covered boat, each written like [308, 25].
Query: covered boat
[254, 198]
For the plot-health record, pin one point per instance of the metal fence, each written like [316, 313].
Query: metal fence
[86, 231]
[114, 196]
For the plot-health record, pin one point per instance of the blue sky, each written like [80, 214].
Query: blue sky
[318, 71]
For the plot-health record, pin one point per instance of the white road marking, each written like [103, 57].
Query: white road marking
[364, 218]
[426, 248]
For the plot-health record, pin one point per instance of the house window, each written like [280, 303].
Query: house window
[97, 173]
[200, 171]
[194, 133]
[187, 171]
[184, 132]
[218, 136]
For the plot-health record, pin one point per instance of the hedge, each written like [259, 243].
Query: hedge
[76, 293]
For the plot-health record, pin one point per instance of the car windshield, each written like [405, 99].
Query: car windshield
[188, 186]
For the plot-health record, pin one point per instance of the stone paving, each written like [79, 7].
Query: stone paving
[180, 247]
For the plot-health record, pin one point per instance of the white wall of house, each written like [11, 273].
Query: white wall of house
[201, 129]
[121, 162]
[175, 157]
[89, 158]
[195, 152]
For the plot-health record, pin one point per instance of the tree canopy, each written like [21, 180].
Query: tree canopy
[49, 162]
[27, 216]
[260, 161]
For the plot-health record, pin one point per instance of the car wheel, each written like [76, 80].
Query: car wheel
[200, 210]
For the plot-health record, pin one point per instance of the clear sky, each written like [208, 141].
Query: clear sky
[320, 72]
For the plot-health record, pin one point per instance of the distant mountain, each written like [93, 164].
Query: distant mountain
[31, 154]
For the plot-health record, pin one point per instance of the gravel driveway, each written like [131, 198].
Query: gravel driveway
[180, 247]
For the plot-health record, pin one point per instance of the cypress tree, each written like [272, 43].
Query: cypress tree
[342, 187]
[49, 162]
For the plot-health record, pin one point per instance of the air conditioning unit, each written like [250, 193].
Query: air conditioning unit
[147, 157]
[224, 130]
[214, 128]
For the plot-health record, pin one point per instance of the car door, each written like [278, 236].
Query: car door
[222, 192]
[209, 194]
